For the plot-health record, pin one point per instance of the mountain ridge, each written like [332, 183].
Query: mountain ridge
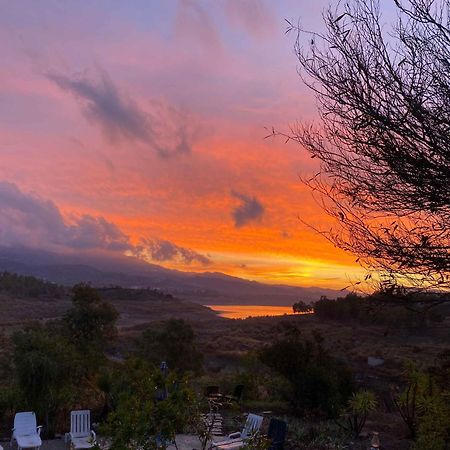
[106, 269]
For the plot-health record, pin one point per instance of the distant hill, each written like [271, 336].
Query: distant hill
[25, 298]
[27, 286]
[105, 269]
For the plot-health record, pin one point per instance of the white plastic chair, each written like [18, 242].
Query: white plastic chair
[237, 440]
[26, 432]
[81, 436]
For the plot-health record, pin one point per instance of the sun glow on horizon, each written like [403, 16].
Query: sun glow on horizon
[161, 157]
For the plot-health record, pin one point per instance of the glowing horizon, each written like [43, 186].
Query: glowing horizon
[140, 129]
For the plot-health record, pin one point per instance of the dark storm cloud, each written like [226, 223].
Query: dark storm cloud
[250, 210]
[121, 118]
[29, 220]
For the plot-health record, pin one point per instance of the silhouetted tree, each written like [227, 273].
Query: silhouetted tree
[301, 307]
[46, 371]
[173, 342]
[29, 286]
[318, 381]
[383, 139]
[91, 321]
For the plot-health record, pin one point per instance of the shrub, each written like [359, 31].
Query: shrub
[91, 322]
[433, 429]
[376, 309]
[46, 371]
[319, 383]
[433, 410]
[359, 406]
[409, 401]
[257, 442]
[173, 342]
[320, 435]
[142, 418]
[424, 406]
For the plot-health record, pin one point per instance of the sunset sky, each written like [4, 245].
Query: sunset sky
[138, 127]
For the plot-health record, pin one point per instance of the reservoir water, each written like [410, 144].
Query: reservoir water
[244, 311]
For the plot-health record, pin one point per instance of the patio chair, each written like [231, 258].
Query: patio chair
[212, 392]
[236, 396]
[277, 434]
[81, 436]
[26, 433]
[237, 440]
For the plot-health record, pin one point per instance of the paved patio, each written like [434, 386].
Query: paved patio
[187, 442]
[184, 442]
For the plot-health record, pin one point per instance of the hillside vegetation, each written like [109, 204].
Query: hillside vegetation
[307, 367]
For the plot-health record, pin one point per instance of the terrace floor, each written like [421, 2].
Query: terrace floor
[184, 442]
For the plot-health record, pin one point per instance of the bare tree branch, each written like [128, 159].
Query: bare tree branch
[383, 138]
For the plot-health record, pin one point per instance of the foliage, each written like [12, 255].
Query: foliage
[105, 383]
[409, 402]
[28, 286]
[301, 307]
[55, 362]
[350, 307]
[433, 423]
[440, 371]
[257, 441]
[319, 382]
[10, 400]
[359, 406]
[376, 309]
[260, 383]
[202, 421]
[433, 431]
[320, 435]
[143, 419]
[91, 322]
[173, 342]
[46, 370]
[383, 142]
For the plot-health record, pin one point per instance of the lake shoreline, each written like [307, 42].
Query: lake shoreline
[244, 311]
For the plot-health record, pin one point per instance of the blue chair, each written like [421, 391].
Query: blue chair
[277, 434]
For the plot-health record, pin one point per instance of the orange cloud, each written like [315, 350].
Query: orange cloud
[213, 82]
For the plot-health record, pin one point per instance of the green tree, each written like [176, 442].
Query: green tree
[91, 321]
[29, 286]
[173, 342]
[141, 420]
[319, 382]
[46, 371]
